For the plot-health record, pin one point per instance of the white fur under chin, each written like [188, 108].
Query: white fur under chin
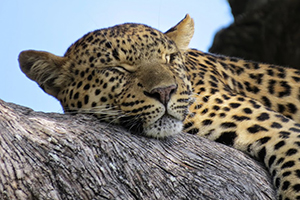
[164, 127]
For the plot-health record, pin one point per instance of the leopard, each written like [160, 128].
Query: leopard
[154, 85]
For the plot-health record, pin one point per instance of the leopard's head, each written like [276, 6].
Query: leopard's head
[129, 74]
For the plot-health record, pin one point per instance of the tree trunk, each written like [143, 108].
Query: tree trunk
[264, 31]
[56, 156]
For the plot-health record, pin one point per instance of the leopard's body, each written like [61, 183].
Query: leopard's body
[152, 84]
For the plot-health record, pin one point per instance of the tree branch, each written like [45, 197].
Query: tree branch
[55, 156]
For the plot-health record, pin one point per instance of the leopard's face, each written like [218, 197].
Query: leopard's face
[129, 74]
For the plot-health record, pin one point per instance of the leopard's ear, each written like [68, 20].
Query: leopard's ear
[182, 33]
[47, 69]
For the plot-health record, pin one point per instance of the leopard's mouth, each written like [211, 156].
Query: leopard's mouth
[163, 127]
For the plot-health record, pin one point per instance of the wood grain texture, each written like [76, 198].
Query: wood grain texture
[55, 156]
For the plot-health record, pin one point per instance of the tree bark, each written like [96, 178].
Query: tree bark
[56, 156]
[264, 31]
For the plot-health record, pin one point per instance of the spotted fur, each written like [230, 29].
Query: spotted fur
[154, 85]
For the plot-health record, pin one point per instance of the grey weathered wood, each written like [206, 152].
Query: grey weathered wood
[55, 156]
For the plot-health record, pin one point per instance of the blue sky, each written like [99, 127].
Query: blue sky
[54, 25]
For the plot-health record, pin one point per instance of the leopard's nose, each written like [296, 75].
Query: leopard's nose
[163, 94]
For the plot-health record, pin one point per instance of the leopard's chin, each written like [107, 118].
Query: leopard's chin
[164, 127]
